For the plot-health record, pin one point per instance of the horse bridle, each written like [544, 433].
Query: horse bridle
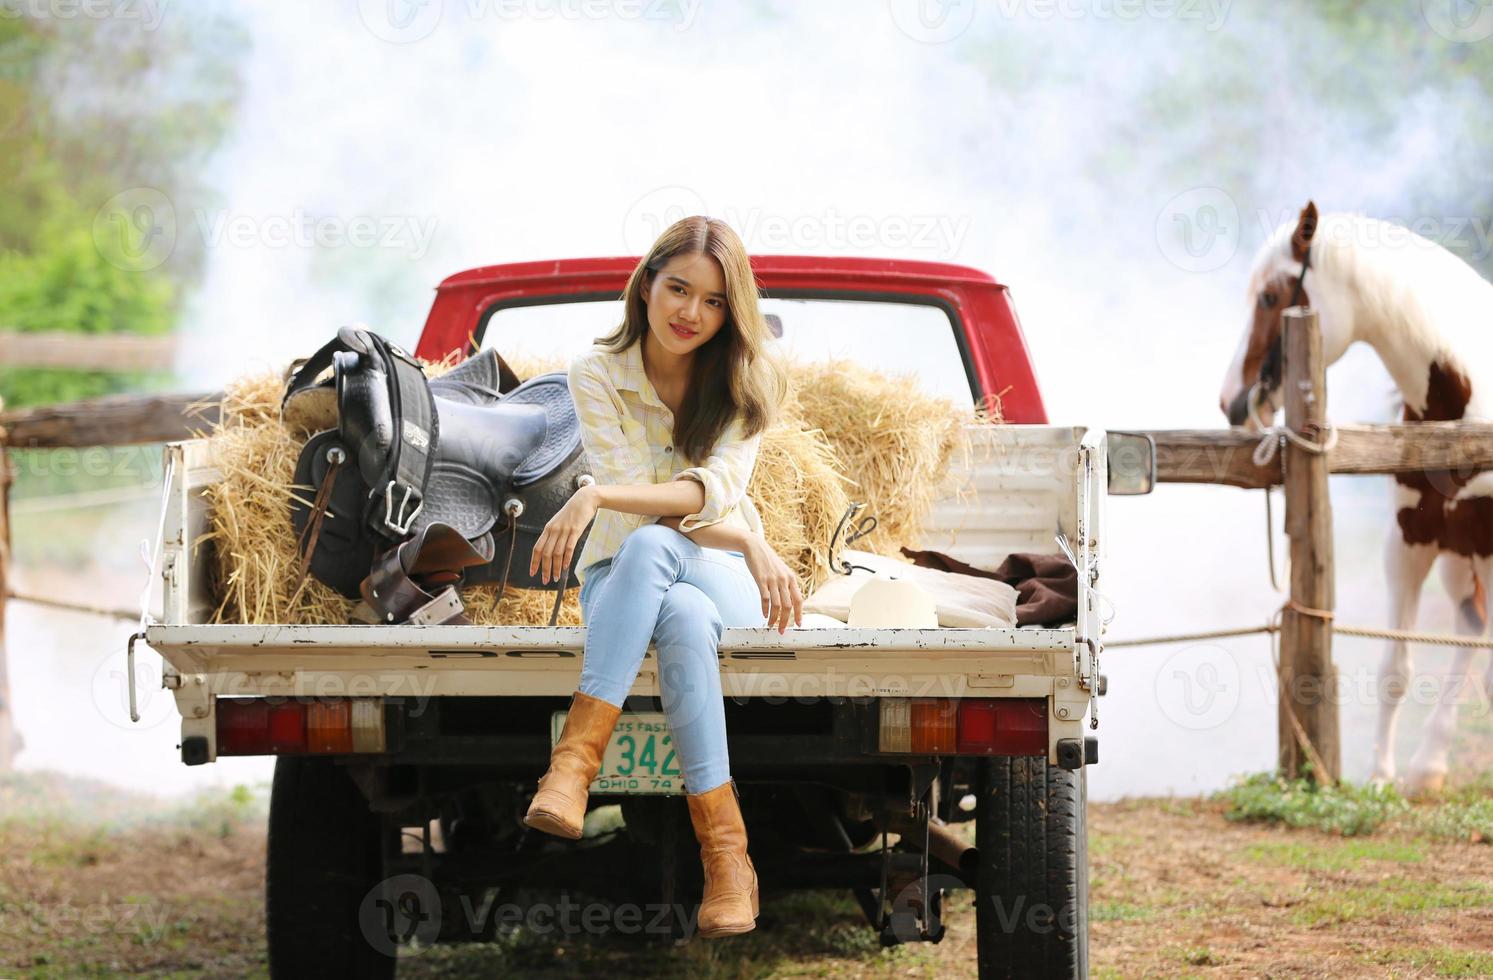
[1270, 368]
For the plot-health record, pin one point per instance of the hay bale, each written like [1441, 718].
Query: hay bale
[846, 433]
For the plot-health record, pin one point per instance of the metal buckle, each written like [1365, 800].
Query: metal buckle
[401, 526]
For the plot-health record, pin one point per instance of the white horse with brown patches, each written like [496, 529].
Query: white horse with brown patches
[1429, 317]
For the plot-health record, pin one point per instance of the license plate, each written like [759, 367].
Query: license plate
[639, 757]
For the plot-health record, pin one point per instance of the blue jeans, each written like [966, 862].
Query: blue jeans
[662, 587]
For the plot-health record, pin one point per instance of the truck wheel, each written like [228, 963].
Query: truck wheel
[1032, 885]
[324, 857]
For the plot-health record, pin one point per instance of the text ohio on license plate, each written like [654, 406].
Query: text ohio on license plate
[639, 757]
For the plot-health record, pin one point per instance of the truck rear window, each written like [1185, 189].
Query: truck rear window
[889, 337]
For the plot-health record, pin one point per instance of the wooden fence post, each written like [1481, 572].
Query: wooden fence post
[1308, 723]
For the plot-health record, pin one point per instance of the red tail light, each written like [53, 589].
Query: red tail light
[964, 726]
[254, 726]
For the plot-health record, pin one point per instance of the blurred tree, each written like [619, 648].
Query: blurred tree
[106, 126]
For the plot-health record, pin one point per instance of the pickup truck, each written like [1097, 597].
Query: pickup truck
[406, 754]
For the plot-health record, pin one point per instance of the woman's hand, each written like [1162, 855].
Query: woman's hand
[782, 599]
[556, 545]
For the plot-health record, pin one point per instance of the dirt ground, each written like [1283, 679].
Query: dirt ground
[1177, 890]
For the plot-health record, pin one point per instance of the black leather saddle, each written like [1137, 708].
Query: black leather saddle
[444, 482]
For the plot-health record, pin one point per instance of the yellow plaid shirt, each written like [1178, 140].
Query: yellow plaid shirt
[628, 435]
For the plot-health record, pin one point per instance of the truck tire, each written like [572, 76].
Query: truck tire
[324, 856]
[1032, 884]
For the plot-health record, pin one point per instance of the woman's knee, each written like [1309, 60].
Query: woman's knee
[650, 538]
[687, 614]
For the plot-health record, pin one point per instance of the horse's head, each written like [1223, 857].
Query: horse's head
[1252, 387]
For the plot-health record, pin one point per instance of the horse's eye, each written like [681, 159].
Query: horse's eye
[1268, 300]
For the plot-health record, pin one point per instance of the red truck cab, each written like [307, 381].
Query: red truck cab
[984, 321]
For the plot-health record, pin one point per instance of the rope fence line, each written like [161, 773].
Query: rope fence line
[79, 607]
[1409, 636]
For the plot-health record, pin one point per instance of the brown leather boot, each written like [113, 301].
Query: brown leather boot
[559, 806]
[729, 906]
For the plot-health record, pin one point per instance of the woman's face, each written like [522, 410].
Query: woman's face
[686, 302]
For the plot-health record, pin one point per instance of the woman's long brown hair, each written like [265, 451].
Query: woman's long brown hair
[733, 374]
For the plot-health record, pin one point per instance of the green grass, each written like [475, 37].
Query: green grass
[1343, 809]
[1329, 856]
[1119, 911]
[1390, 895]
[1462, 814]
[1442, 962]
[1106, 845]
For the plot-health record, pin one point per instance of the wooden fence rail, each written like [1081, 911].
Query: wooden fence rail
[87, 352]
[1226, 455]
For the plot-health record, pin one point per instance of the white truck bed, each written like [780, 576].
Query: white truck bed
[1016, 489]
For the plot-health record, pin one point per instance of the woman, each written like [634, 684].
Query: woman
[677, 551]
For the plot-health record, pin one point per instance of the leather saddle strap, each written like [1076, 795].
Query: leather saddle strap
[412, 456]
[395, 590]
[564, 579]
[560, 595]
[312, 530]
[305, 376]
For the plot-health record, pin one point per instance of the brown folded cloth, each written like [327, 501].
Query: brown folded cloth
[1046, 585]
